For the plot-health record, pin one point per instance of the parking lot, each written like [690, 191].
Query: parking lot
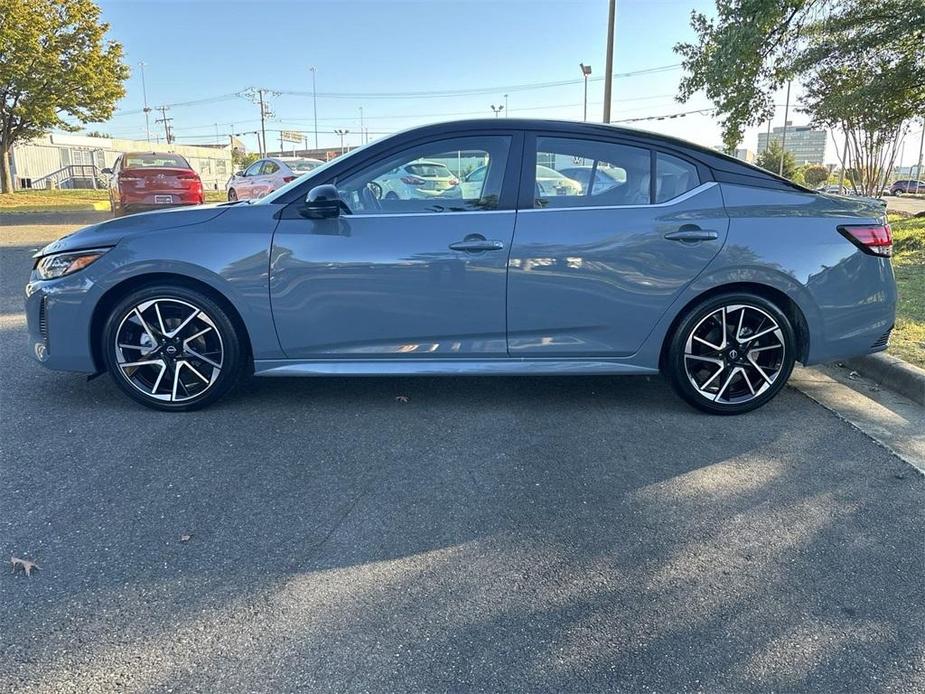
[438, 534]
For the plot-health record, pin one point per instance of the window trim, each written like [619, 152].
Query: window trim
[703, 187]
[507, 200]
[525, 199]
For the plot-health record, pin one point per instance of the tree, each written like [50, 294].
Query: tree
[97, 133]
[815, 175]
[862, 64]
[770, 159]
[56, 71]
[240, 159]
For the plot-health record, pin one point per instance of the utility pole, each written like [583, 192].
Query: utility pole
[144, 94]
[783, 136]
[608, 68]
[341, 132]
[506, 112]
[586, 73]
[496, 110]
[315, 106]
[263, 124]
[362, 131]
[166, 121]
[258, 96]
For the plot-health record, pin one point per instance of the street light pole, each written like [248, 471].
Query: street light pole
[341, 132]
[315, 106]
[586, 72]
[783, 136]
[506, 112]
[362, 137]
[144, 94]
[608, 68]
[918, 168]
[496, 110]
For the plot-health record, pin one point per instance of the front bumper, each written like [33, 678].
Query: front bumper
[58, 319]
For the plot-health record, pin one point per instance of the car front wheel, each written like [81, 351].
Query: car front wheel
[731, 354]
[172, 348]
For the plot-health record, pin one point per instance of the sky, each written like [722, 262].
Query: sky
[392, 57]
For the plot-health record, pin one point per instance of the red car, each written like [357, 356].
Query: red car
[144, 181]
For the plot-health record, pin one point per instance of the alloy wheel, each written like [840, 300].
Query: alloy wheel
[734, 354]
[169, 349]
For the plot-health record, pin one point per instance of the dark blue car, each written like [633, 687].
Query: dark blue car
[664, 257]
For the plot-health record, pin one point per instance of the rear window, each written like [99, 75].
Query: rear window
[429, 170]
[154, 160]
[303, 165]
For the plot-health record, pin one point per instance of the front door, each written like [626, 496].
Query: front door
[422, 275]
[598, 258]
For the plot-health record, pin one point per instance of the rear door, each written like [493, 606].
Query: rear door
[591, 273]
[420, 276]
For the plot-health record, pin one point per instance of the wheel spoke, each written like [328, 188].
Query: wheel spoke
[201, 357]
[144, 325]
[712, 378]
[759, 370]
[725, 385]
[146, 362]
[160, 319]
[193, 369]
[182, 325]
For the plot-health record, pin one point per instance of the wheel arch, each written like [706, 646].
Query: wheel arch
[115, 294]
[785, 303]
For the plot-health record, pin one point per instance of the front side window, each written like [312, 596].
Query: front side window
[254, 169]
[431, 178]
[673, 177]
[588, 173]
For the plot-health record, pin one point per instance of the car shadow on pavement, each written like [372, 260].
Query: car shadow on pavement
[401, 534]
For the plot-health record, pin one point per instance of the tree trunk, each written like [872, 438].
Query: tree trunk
[6, 175]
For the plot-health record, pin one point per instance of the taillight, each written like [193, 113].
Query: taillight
[413, 180]
[875, 239]
[454, 181]
[192, 176]
[125, 176]
[286, 179]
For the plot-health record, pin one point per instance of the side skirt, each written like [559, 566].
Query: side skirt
[447, 367]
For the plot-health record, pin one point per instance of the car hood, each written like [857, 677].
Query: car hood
[110, 232]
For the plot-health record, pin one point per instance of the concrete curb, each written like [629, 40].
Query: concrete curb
[893, 373]
[72, 217]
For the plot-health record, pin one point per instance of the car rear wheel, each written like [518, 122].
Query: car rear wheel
[172, 348]
[731, 354]
[232, 195]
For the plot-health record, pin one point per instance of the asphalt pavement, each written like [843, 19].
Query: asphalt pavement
[494, 534]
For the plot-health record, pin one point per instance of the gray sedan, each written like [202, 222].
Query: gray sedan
[713, 272]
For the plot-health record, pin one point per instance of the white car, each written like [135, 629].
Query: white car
[266, 175]
[549, 181]
[415, 180]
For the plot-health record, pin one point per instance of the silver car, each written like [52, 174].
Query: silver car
[416, 179]
[266, 175]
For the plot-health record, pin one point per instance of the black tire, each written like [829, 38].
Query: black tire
[175, 303]
[697, 374]
[232, 195]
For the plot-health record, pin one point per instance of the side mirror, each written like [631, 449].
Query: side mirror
[322, 202]
[239, 174]
[107, 171]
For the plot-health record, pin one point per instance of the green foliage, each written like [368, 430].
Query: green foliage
[861, 61]
[241, 160]
[56, 69]
[770, 160]
[97, 133]
[814, 175]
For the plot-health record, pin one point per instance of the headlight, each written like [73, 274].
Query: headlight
[61, 264]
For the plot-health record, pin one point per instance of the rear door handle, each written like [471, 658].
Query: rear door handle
[475, 244]
[691, 233]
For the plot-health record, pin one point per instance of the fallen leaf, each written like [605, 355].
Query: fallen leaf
[401, 398]
[26, 565]
[185, 538]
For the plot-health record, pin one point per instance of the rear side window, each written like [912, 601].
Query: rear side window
[270, 167]
[589, 173]
[673, 177]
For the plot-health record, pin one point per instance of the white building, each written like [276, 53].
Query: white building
[76, 161]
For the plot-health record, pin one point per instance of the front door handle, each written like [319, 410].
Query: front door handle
[691, 233]
[475, 243]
